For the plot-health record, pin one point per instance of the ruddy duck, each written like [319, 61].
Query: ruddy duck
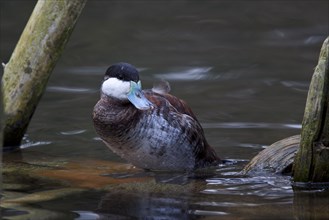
[149, 128]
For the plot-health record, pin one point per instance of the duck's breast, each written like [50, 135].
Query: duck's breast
[159, 141]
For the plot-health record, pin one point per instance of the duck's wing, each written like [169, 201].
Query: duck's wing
[162, 89]
[177, 111]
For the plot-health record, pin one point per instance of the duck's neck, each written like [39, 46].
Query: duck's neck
[113, 115]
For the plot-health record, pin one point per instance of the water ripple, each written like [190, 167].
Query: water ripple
[73, 132]
[226, 204]
[32, 144]
[195, 73]
[87, 215]
[269, 187]
[68, 89]
[299, 86]
[248, 125]
[207, 212]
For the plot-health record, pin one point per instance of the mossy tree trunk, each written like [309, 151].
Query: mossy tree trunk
[36, 53]
[312, 160]
[1, 136]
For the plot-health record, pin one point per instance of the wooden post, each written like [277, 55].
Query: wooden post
[36, 53]
[312, 160]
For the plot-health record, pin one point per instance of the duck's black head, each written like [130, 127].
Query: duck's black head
[122, 71]
[121, 81]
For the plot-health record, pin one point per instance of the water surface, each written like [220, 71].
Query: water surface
[243, 66]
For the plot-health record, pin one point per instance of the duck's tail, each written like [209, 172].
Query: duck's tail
[207, 158]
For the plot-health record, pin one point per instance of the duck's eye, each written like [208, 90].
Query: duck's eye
[120, 77]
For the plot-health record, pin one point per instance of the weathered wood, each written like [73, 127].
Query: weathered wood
[312, 160]
[277, 158]
[36, 53]
[1, 135]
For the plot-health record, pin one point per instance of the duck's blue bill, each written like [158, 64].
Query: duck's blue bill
[137, 98]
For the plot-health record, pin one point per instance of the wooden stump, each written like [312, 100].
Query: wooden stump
[311, 163]
[312, 159]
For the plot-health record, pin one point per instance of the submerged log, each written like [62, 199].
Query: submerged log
[312, 160]
[277, 158]
[29, 68]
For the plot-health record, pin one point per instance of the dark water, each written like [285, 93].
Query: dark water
[243, 66]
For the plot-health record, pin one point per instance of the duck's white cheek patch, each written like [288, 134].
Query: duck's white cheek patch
[116, 88]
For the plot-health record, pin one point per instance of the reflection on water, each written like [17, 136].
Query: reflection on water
[220, 192]
[243, 67]
[196, 73]
[68, 90]
[88, 215]
[245, 125]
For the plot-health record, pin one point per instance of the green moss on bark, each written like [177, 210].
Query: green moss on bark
[312, 162]
[29, 68]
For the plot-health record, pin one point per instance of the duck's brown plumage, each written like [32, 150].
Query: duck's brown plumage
[167, 136]
[122, 126]
[205, 155]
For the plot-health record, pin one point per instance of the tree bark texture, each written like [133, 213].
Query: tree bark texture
[312, 160]
[29, 68]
